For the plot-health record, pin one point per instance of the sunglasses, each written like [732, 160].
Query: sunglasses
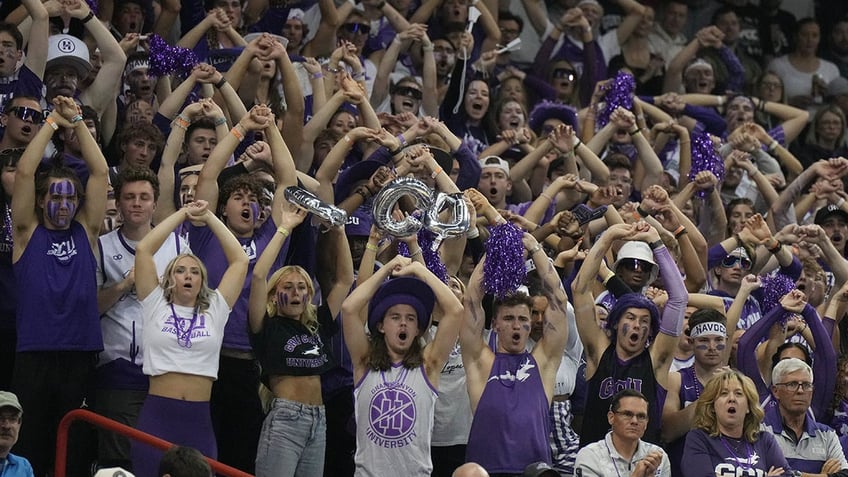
[731, 260]
[360, 28]
[634, 264]
[36, 116]
[564, 73]
[409, 91]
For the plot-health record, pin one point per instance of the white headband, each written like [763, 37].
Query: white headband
[708, 328]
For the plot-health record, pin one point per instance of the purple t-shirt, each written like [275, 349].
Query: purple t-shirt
[707, 456]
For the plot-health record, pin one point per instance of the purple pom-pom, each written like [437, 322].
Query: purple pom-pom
[619, 93]
[704, 158]
[166, 59]
[504, 270]
[92, 5]
[774, 287]
[431, 257]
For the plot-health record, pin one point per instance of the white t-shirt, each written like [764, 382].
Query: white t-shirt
[189, 343]
[797, 83]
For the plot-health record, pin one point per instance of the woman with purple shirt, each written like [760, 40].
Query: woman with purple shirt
[726, 439]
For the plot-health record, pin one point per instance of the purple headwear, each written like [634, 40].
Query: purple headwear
[551, 110]
[633, 300]
[402, 291]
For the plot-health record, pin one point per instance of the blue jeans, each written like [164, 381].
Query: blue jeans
[292, 441]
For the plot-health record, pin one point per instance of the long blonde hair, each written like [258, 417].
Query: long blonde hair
[167, 282]
[309, 318]
[705, 414]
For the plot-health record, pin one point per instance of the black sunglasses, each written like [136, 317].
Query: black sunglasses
[36, 116]
[409, 91]
[634, 264]
[730, 261]
[360, 28]
[564, 73]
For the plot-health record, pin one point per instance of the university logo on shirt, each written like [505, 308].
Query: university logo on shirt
[63, 251]
[392, 415]
[520, 375]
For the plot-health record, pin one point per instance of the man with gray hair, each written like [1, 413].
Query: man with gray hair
[810, 448]
[11, 411]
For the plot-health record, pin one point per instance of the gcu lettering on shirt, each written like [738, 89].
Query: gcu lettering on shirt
[739, 467]
[610, 386]
[63, 251]
[313, 345]
[392, 413]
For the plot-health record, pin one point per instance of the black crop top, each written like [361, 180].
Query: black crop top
[285, 347]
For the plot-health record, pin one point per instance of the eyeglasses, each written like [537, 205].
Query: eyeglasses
[771, 85]
[795, 385]
[36, 116]
[629, 415]
[409, 91]
[634, 264]
[564, 73]
[361, 28]
[730, 261]
[547, 129]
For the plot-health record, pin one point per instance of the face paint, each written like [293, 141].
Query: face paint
[67, 192]
[254, 207]
[702, 347]
[721, 346]
[525, 327]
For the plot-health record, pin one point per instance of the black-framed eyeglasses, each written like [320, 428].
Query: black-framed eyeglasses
[634, 264]
[547, 129]
[731, 260]
[36, 116]
[361, 28]
[793, 386]
[409, 92]
[564, 73]
[629, 415]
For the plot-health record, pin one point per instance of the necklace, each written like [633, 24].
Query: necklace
[397, 382]
[7, 227]
[748, 460]
[183, 334]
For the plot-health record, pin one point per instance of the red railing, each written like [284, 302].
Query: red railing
[134, 434]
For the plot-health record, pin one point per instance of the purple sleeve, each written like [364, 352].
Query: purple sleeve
[540, 62]
[735, 72]
[594, 69]
[163, 123]
[469, 168]
[381, 155]
[746, 356]
[713, 122]
[671, 322]
[542, 88]
[824, 361]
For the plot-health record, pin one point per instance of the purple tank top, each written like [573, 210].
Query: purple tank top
[511, 426]
[57, 307]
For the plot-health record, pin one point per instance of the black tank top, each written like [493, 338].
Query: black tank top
[612, 376]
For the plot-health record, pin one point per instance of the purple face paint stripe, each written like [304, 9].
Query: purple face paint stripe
[64, 187]
[255, 208]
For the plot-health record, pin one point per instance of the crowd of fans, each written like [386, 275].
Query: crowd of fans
[653, 274]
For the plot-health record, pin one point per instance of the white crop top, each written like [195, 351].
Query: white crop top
[189, 343]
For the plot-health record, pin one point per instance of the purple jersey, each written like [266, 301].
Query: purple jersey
[722, 456]
[208, 248]
[511, 425]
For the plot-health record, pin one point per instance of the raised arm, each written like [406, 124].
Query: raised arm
[103, 91]
[146, 276]
[289, 217]
[555, 334]
[355, 314]
[36, 57]
[232, 282]
[207, 183]
[595, 341]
